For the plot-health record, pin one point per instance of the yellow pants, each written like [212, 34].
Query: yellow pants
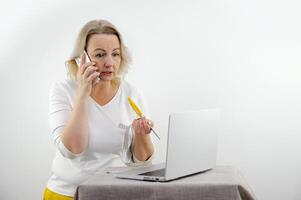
[50, 195]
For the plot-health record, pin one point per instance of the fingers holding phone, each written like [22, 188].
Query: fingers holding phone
[87, 74]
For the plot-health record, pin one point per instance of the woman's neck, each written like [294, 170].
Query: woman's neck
[104, 91]
[103, 87]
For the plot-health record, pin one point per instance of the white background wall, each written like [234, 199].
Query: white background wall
[241, 56]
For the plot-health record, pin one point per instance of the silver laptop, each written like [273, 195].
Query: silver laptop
[191, 147]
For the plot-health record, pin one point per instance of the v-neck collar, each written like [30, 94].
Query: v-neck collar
[110, 102]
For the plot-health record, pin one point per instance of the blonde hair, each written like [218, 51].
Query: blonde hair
[98, 27]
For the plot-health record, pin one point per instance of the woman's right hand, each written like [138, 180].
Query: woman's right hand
[86, 73]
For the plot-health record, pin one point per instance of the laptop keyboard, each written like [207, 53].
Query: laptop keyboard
[158, 172]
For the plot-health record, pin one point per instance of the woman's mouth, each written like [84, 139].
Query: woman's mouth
[106, 73]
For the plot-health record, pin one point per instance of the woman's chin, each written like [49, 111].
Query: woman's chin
[106, 78]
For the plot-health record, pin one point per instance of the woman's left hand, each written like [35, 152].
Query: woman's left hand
[142, 126]
[142, 146]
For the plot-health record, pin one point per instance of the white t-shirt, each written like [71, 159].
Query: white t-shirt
[110, 135]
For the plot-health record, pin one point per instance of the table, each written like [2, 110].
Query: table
[220, 183]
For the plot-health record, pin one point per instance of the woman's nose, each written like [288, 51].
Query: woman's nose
[109, 62]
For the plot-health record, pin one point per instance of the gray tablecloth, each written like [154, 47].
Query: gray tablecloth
[220, 183]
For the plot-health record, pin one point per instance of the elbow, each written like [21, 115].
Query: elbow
[71, 150]
[76, 148]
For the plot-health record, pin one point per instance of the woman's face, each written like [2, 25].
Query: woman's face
[104, 50]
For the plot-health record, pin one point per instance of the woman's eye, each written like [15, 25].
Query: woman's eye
[99, 55]
[116, 54]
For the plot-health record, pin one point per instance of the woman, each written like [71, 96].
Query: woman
[92, 123]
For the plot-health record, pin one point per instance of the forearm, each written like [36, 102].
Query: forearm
[75, 133]
[142, 146]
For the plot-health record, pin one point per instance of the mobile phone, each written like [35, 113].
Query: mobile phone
[77, 60]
